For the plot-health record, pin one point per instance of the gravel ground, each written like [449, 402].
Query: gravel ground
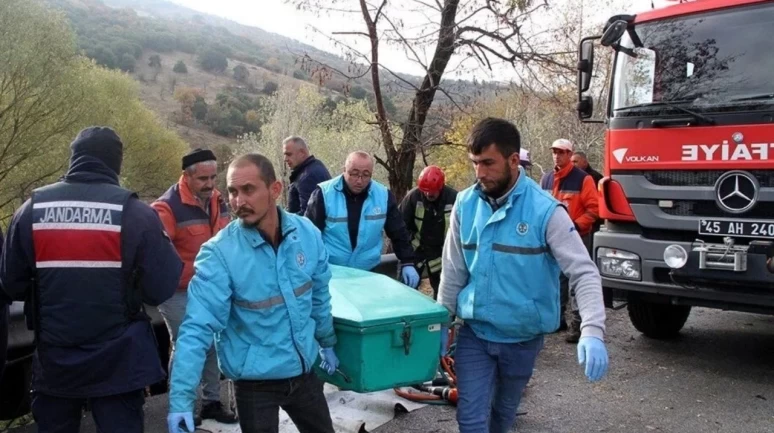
[717, 377]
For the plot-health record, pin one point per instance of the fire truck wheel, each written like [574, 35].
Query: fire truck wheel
[655, 320]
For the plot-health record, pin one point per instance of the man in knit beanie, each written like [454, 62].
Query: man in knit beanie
[84, 255]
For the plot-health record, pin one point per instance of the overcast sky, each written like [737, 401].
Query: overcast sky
[279, 17]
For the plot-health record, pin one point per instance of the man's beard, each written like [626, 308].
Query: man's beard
[501, 186]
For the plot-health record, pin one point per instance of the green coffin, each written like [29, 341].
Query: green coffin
[388, 333]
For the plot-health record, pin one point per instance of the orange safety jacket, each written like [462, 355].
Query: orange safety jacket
[575, 189]
[187, 223]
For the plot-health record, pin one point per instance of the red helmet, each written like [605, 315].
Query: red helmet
[431, 180]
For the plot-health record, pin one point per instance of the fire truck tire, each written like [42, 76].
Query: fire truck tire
[659, 321]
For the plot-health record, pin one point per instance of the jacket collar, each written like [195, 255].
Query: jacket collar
[257, 240]
[508, 199]
[301, 167]
[88, 169]
[561, 173]
[188, 197]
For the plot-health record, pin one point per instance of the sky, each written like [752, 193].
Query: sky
[278, 16]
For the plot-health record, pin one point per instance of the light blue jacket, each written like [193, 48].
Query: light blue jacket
[269, 312]
[512, 293]
[368, 252]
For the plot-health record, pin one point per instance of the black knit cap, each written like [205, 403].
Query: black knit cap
[198, 155]
[99, 142]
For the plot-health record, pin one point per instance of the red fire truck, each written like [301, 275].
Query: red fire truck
[688, 193]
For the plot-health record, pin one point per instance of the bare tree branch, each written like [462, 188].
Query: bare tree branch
[351, 33]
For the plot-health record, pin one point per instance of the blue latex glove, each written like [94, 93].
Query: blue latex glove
[175, 418]
[444, 340]
[592, 352]
[410, 276]
[330, 362]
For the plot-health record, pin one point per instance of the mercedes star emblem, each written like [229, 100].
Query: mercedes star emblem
[738, 137]
[736, 191]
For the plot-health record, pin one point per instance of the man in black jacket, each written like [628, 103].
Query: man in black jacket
[306, 172]
[426, 211]
[580, 160]
[85, 255]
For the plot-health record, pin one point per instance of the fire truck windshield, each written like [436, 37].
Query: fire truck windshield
[714, 59]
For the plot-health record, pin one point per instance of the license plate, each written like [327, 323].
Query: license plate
[746, 229]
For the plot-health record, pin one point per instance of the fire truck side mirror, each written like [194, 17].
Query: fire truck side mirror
[585, 107]
[585, 65]
[613, 33]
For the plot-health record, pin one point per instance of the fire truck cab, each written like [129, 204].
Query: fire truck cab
[688, 193]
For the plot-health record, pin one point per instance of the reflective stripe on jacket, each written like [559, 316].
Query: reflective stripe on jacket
[512, 294]
[428, 222]
[76, 233]
[269, 311]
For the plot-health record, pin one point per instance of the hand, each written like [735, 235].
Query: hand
[444, 340]
[410, 276]
[592, 352]
[330, 362]
[175, 418]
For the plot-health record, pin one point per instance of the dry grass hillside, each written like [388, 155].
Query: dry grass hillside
[157, 90]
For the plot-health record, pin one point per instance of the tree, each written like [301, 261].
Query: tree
[226, 121]
[199, 108]
[103, 56]
[270, 87]
[300, 75]
[485, 31]
[333, 134]
[213, 61]
[161, 41]
[542, 107]
[187, 97]
[252, 121]
[151, 152]
[53, 93]
[155, 64]
[128, 63]
[155, 61]
[180, 67]
[241, 73]
[358, 92]
[39, 97]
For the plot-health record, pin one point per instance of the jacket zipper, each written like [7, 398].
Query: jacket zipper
[292, 333]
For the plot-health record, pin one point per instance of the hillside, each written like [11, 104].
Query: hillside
[213, 108]
[127, 39]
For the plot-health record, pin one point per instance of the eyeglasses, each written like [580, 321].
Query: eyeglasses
[363, 176]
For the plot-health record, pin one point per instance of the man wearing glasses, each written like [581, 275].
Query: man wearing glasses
[351, 210]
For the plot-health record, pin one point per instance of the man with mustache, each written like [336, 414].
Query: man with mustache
[352, 210]
[193, 211]
[261, 286]
[507, 243]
